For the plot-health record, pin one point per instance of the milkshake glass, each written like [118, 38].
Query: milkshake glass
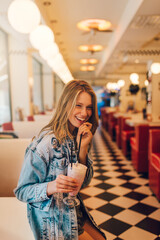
[77, 171]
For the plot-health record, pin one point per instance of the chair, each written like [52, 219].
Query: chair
[42, 113]
[126, 133]
[30, 118]
[104, 118]
[154, 161]
[8, 126]
[139, 147]
[112, 121]
[118, 131]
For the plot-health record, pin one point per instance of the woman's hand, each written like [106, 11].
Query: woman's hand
[85, 130]
[62, 184]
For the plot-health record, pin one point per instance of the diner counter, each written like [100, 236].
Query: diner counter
[13, 220]
[133, 122]
[130, 115]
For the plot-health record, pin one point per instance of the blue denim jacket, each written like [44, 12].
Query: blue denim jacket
[44, 160]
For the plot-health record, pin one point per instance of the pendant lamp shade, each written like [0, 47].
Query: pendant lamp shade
[57, 62]
[134, 77]
[49, 52]
[23, 15]
[121, 83]
[41, 37]
[155, 68]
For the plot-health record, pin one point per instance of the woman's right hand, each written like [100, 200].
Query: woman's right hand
[62, 184]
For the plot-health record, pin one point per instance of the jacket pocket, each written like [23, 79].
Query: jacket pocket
[61, 163]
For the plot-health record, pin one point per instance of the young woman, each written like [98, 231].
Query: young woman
[44, 183]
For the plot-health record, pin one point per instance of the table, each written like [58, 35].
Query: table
[13, 220]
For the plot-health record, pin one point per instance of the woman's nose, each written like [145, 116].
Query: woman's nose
[84, 112]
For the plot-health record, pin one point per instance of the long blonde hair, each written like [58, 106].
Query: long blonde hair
[59, 123]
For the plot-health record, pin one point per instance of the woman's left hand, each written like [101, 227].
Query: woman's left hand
[85, 130]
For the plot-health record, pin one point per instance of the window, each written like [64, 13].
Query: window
[5, 105]
[37, 85]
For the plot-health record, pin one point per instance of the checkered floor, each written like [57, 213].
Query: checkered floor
[119, 198]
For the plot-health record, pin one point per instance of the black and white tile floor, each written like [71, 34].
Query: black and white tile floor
[119, 198]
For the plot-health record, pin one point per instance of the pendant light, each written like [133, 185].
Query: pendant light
[23, 15]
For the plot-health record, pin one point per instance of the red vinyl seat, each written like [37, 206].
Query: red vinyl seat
[112, 121]
[8, 126]
[139, 147]
[30, 118]
[104, 118]
[154, 161]
[126, 133]
[118, 132]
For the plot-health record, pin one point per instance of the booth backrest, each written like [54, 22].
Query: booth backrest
[142, 136]
[28, 129]
[11, 158]
[124, 126]
[155, 140]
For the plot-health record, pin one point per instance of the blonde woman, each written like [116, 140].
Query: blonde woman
[44, 183]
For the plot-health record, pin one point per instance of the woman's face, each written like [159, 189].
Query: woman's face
[81, 112]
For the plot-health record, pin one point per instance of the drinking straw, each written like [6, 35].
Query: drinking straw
[79, 146]
[71, 157]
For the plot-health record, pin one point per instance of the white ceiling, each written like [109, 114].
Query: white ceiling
[131, 33]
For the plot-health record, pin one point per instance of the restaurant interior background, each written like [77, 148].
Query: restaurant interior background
[129, 43]
[112, 44]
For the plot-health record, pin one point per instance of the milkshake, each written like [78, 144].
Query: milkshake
[77, 171]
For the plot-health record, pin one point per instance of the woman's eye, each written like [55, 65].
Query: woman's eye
[90, 108]
[78, 105]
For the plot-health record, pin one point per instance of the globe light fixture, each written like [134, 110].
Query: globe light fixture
[23, 15]
[41, 37]
[49, 52]
[146, 83]
[87, 68]
[121, 83]
[56, 62]
[155, 68]
[96, 24]
[88, 61]
[134, 77]
[91, 48]
[112, 86]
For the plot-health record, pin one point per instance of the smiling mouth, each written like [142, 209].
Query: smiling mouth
[80, 119]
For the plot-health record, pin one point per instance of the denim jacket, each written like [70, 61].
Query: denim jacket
[48, 216]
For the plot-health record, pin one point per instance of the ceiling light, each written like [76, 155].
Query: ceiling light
[41, 37]
[146, 82]
[137, 61]
[46, 3]
[112, 86]
[121, 83]
[49, 51]
[23, 15]
[134, 77]
[96, 24]
[155, 68]
[91, 48]
[56, 62]
[88, 61]
[87, 68]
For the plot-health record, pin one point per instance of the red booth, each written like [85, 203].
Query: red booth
[154, 161]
